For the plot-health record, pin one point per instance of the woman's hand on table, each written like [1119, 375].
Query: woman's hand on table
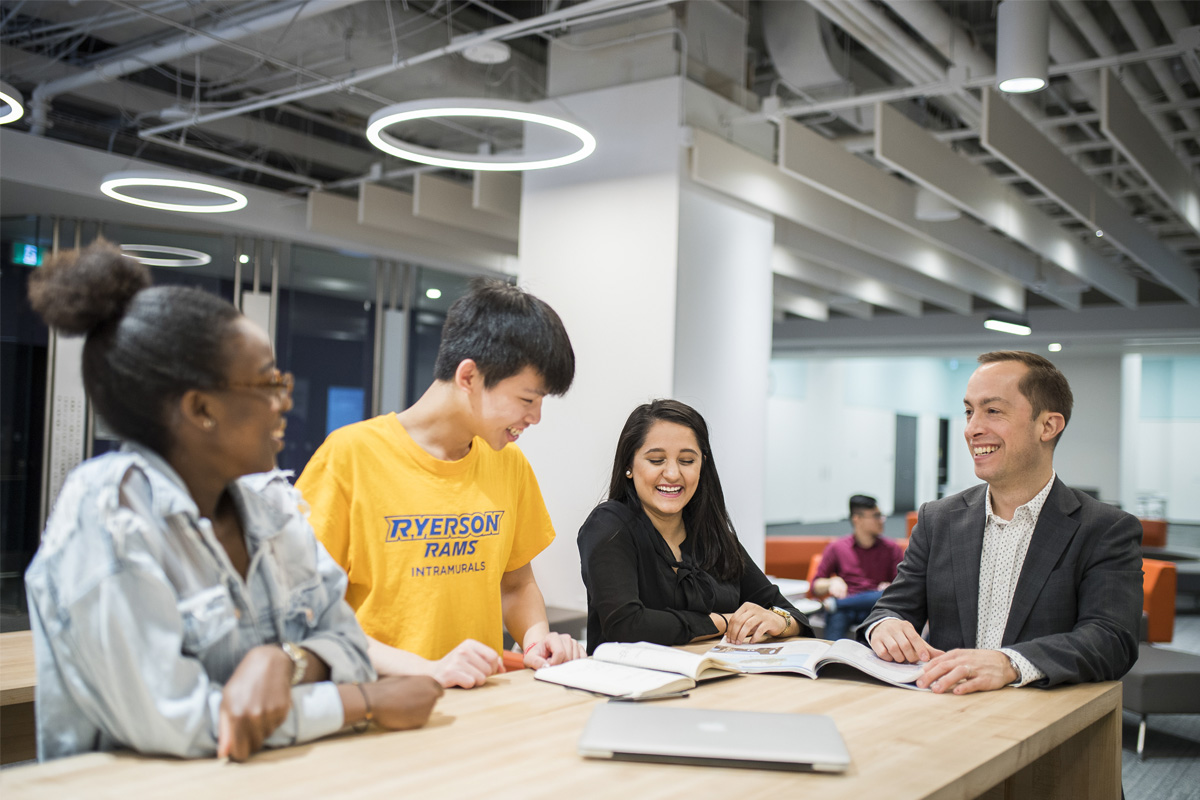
[397, 703]
[752, 623]
[255, 701]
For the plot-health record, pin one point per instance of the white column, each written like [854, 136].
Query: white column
[665, 292]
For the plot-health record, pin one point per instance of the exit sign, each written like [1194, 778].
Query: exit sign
[28, 254]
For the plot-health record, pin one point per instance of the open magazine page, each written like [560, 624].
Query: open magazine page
[801, 657]
[655, 656]
[615, 680]
[863, 658]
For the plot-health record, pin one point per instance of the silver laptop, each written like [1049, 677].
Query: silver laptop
[627, 731]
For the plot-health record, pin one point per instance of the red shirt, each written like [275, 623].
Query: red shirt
[862, 569]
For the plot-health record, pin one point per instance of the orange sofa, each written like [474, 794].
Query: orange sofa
[789, 556]
[1158, 602]
[1154, 532]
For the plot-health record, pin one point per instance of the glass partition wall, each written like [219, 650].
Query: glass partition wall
[359, 333]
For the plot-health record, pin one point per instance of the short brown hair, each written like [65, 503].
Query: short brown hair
[1044, 386]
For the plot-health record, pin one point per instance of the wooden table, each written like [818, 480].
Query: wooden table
[516, 737]
[17, 681]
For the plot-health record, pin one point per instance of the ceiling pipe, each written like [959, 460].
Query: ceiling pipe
[940, 30]
[458, 44]
[1136, 28]
[1064, 47]
[177, 48]
[1176, 20]
[947, 86]
[872, 28]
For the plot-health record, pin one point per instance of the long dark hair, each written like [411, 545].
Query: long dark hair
[145, 346]
[711, 532]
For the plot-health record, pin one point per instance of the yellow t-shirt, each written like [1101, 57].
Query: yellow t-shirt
[425, 542]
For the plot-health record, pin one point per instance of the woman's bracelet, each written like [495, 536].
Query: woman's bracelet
[368, 715]
[726, 618]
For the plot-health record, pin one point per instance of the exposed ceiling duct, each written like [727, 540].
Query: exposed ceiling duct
[278, 94]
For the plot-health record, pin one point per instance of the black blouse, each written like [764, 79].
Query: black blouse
[634, 595]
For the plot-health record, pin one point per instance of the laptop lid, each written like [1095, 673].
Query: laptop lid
[756, 739]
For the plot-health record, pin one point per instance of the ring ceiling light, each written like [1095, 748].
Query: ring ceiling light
[184, 257]
[495, 109]
[122, 180]
[12, 98]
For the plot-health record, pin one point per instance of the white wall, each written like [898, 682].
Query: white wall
[1161, 434]
[599, 242]
[1129, 434]
[1089, 453]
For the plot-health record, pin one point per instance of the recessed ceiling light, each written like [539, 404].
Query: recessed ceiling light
[433, 293]
[184, 257]
[1007, 326]
[492, 52]
[12, 98]
[1099, 233]
[243, 259]
[489, 109]
[1055, 347]
[127, 180]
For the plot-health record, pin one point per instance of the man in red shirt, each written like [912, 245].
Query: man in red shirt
[855, 570]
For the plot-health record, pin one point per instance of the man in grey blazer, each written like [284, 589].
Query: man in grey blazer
[1022, 580]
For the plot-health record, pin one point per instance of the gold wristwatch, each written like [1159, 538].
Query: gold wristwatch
[299, 660]
[787, 618]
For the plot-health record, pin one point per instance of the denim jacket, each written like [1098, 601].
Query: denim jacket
[139, 617]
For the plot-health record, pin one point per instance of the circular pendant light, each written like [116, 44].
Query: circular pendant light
[489, 109]
[180, 256]
[12, 98]
[193, 195]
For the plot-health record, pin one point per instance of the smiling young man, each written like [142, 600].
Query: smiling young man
[855, 569]
[431, 512]
[1022, 580]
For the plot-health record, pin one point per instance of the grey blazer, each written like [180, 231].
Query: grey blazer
[1077, 609]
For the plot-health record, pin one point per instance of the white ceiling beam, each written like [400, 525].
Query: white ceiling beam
[134, 100]
[826, 166]
[785, 262]
[792, 300]
[818, 248]
[788, 286]
[1132, 133]
[497, 193]
[906, 147]
[1010, 137]
[451, 203]
[390, 210]
[729, 169]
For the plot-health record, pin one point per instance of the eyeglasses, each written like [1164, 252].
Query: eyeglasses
[280, 385]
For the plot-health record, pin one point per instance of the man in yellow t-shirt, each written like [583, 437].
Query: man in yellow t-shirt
[432, 512]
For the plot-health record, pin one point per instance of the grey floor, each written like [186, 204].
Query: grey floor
[1171, 769]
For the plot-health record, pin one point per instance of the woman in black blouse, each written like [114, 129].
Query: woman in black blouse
[660, 558]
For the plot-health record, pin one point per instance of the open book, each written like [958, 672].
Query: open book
[636, 671]
[807, 656]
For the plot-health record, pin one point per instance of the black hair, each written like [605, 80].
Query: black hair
[504, 329]
[862, 502]
[709, 528]
[145, 346]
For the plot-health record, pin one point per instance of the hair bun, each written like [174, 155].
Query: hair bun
[77, 290]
